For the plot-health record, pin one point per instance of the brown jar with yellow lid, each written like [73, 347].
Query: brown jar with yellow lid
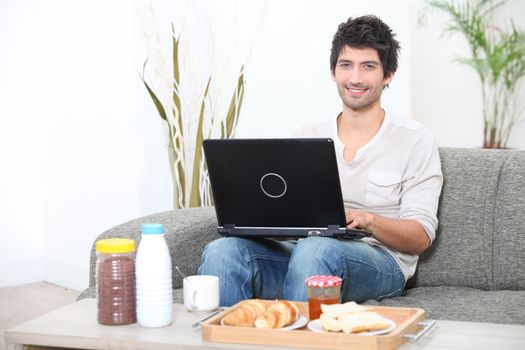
[115, 275]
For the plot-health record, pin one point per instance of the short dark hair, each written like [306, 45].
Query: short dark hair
[366, 32]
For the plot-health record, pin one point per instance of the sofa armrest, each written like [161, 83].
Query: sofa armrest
[187, 232]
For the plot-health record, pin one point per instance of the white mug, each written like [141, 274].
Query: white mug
[201, 293]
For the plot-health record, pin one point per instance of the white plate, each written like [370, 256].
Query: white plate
[315, 326]
[301, 321]
[297, 324]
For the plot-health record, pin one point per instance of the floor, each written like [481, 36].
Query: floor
[23, 303]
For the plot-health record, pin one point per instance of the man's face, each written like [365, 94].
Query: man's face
[359, 77]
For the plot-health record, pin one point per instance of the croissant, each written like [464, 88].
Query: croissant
[257, 304]
[245, 314]
[280, 314]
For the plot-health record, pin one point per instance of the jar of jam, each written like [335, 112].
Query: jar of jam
[322, 289]
[115, 276]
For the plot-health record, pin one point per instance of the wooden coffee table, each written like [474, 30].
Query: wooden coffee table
[75, 326]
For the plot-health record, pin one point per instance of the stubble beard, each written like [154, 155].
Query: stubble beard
[368, 100]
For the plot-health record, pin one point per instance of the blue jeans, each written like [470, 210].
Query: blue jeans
[269, 269]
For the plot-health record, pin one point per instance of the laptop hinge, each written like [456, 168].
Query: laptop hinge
[227, 229]
[333, 229]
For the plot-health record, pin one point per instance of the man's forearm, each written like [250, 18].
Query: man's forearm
[406, 236]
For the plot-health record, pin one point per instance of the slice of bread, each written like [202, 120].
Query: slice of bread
[336, 310]
[363, 321]
[329, 323]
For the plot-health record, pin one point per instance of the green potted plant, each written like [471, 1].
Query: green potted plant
[497, 55]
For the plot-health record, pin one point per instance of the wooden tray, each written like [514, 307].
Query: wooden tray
[406, 320]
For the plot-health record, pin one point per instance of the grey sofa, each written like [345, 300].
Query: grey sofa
[474, 271]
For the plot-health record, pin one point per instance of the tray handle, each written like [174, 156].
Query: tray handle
[426, 327]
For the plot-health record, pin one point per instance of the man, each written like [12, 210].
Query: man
[390, 177]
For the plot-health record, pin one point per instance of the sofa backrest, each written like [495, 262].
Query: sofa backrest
[480, 238]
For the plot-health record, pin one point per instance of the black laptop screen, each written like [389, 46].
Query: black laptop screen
[275, 182]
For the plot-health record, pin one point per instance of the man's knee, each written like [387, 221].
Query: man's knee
[322, 255]
[220, 249]
[312, 255]
[315, 248]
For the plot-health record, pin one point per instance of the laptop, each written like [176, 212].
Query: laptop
[277, 188]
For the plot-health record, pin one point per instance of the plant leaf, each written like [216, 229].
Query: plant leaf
[235, 105]
[197, 158]
[176, 78]
[155, 99]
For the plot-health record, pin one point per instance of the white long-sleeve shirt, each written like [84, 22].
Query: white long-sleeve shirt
[397, 174]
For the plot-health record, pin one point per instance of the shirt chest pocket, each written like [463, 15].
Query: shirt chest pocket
[383, 188]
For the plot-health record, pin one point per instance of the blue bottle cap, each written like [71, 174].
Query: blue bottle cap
[148, 229]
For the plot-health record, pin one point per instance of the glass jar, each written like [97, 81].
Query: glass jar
[115, 275]
[322, 289]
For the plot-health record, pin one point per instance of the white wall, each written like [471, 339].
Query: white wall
[82, 148]
[21, 234]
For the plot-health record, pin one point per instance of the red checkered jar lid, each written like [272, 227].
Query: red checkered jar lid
[323, 281]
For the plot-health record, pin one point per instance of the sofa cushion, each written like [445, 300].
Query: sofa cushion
[463, 304]
[509, 242]
[461, 254]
